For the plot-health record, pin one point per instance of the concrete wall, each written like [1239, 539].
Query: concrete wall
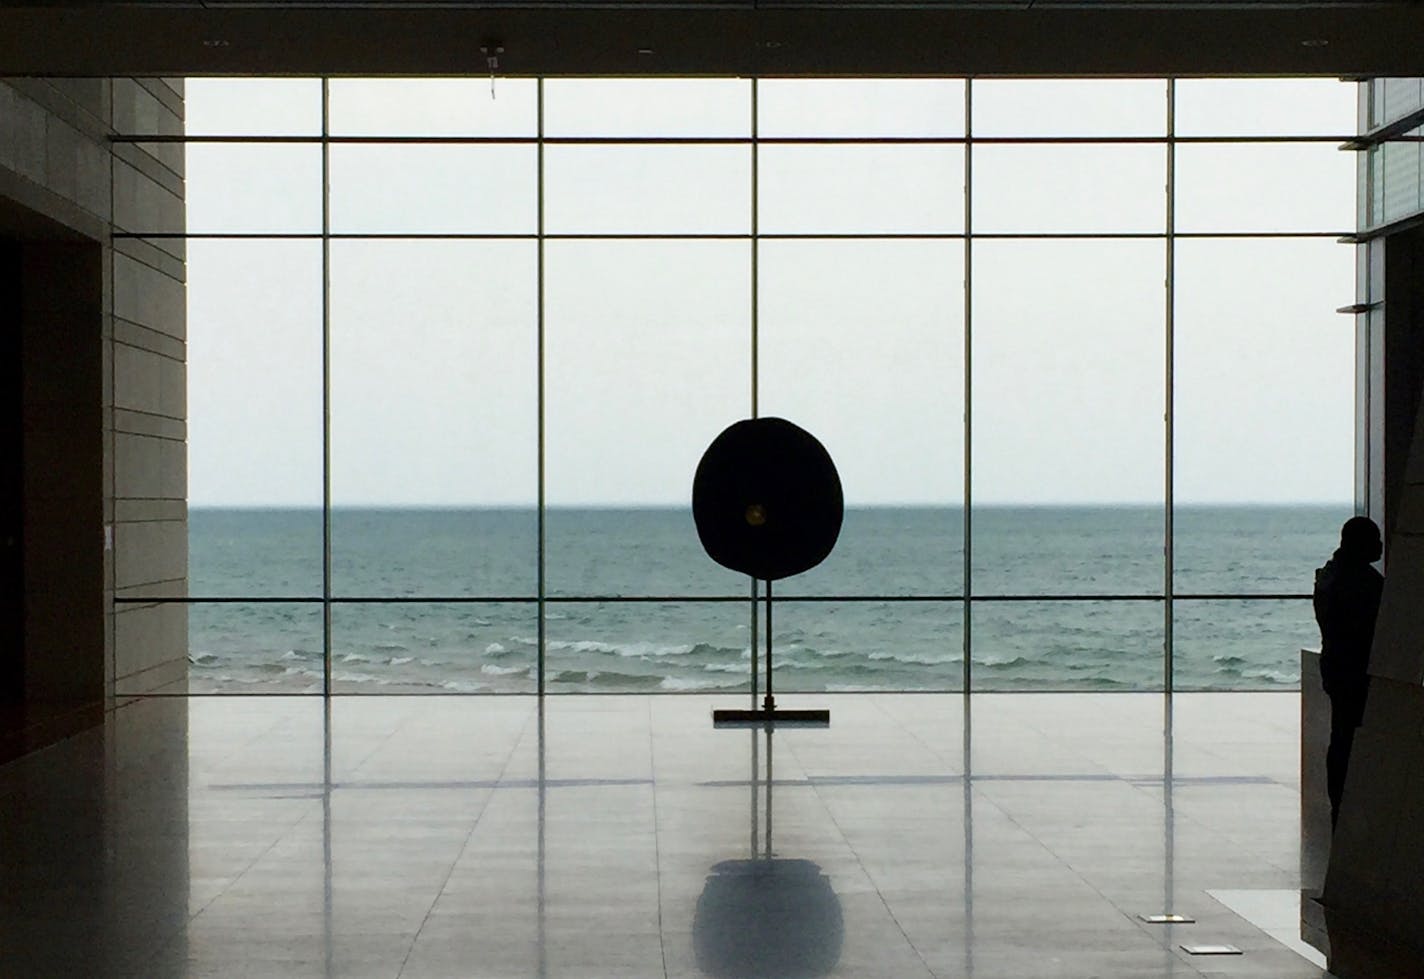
[57, 163]
[1373, 901]
[150, 394]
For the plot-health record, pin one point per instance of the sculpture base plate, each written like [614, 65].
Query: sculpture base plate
[771, 718]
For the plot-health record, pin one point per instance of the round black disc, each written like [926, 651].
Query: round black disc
[767, 500]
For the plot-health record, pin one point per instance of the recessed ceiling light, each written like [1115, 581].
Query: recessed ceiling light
[645, 51]
[772, 45]
[1314, 42]
[213, 42]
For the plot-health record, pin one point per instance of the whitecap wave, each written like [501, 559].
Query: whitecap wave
[463, 686]
[683, 683]
[741, 668]
[1273, 676]
[914, 659]
[492, 669]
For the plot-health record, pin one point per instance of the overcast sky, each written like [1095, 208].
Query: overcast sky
[433, 343]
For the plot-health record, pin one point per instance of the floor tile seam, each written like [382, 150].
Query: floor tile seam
[1091, 886]
[657, 837]
[303, 815]
[865, 872]
[532, 717]
[258, 858]
[374, 749]
[1179, 816]
[934, 752]
[241, 744]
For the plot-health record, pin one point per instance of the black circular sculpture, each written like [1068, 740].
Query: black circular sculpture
[767, 500]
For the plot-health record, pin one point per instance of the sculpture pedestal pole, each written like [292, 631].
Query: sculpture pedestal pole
[767, 714]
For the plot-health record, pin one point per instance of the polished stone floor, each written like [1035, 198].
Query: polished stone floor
[623, 836]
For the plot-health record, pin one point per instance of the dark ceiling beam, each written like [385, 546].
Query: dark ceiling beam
[1110, 40]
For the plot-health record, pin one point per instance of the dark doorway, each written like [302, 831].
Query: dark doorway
[52, 612]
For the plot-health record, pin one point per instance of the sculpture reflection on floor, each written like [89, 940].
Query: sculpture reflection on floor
[767, 918]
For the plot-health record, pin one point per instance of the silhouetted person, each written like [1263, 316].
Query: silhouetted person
[1347, 598]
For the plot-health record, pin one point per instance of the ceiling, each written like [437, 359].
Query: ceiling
[573, 37]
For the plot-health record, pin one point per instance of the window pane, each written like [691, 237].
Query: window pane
[637, 648]
[252, 106]
[1069, 189]
[254, 419]
[434, 648]
[254, 649]
[1265, 187]
[830, 107]
[1068, 404]
[1070, 107]
[1069, 550]
[428, 189]
[434, 404]
[433, 551]
[1394, 98]
[1266, 107]
[647, 107]
[861, 343]
[253, 188]
[861, 189]
[1240, 645]
[433, 107]
[1398, 178]
[647, 361]
[1260, 549]
[1068, 646]
[631, 550]
[1253, 426]
[647, 189]
[845, 646]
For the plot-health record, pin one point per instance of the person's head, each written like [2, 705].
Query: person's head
[1360, 538]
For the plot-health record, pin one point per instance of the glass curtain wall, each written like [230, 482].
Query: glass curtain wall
[453, 358]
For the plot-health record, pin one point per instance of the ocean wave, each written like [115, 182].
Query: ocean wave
[631, 650]
[204, 659]
[685, 683]
[491, 669]
[496, 649]
[1274, 676]
[742, 668]
[604, 679]
[1229, 659]
[998, 661]
[463, 686]
[401, 660]
[635, 649]
[915, 659]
